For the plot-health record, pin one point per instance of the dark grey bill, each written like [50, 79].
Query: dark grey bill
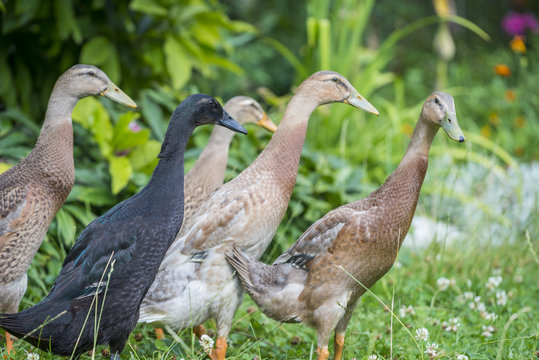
[228, 122]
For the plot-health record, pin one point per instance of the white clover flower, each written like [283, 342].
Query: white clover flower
[452, 325]
[431, 350]
[372, 357]
[462, 357]
[32, 356]
[468, 295]
[481, 307]
[487, 330]
[490, 316]
[493, 282]
[403, 311]
[443, 283]
[501, 298]
[207, 343]
[422, 334]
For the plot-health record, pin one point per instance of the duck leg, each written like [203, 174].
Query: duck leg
[9, 343]
[220, 347]
[338, 345]
[159, 333]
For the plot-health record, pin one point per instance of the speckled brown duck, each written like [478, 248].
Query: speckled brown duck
[32, 191]
[208, 172]
[246, 212]
[306, 283]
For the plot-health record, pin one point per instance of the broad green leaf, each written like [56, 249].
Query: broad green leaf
[83, 215]
[95, 51]
[66, 227]
[124, 138]
[177, 62]
[148, 6]
[145, 155]
[65, 20]
[120, 171]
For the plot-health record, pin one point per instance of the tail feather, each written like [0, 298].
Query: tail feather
[275, 289]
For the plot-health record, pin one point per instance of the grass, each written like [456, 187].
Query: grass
[414, 283]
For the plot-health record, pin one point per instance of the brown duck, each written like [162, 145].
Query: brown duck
[307, 284]
[32, 191]
[195, 282]
[208, 172]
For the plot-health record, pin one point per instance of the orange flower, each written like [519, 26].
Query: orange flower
[520, 122]
[502, 70]
[517, 45]
[407, 129]
[510, 95]
[485, 131]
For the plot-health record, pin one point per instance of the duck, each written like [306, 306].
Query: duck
[96, 297]
[245, 211]
[317, 280]
[208, 172]
[33, 190]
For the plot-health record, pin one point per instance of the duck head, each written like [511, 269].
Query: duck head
[86, 80]
[439, 109]
[331, 86]
[207, 110]
[248, 111]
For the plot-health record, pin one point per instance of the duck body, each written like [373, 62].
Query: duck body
[33, 190]
[244, 212]
[114, 261]
[314, 281]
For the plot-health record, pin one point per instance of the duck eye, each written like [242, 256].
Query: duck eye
[436, 101]
[92, 74]
[335, 79]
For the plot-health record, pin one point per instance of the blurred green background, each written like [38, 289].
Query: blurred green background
[394, 53]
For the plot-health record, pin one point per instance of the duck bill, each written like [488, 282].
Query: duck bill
[113, 92]
[228, 122]
[452, 128]
[358, 101]
[267, 124]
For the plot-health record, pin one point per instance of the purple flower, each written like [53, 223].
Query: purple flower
[517, 23]
[134, 127]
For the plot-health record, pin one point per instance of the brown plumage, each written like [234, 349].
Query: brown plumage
[195, 282]
[208, 172]
[307, 284]
[32, 191]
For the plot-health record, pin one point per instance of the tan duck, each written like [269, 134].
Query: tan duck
[208, 172]
[306, 283]
[32, 191]
[245, 211]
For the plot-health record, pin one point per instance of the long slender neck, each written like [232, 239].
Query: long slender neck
[56, 137]
[280, 158]
[164, 192]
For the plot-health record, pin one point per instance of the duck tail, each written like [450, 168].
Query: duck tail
[275, 289]
[15, 324]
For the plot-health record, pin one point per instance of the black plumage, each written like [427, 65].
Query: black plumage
[115, 259]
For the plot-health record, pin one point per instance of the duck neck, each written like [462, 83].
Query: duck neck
[164, 191]
[281, 156]
[213, 158]
[401, 189]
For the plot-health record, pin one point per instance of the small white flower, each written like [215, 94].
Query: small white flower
[490, 316]
[403, 311]
[431, 350]
[468, 295]
[481, 307]
[493, 282]
[469, 283]
[462, 357]
[32, 356]
[501, 298]
[487, 330]
[422, 334]
[443, 283]
[452, 325]
[372, 357]
[207, 343]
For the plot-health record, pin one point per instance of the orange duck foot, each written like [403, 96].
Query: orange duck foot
[339, 346]
[323, 354]
[159, 334]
